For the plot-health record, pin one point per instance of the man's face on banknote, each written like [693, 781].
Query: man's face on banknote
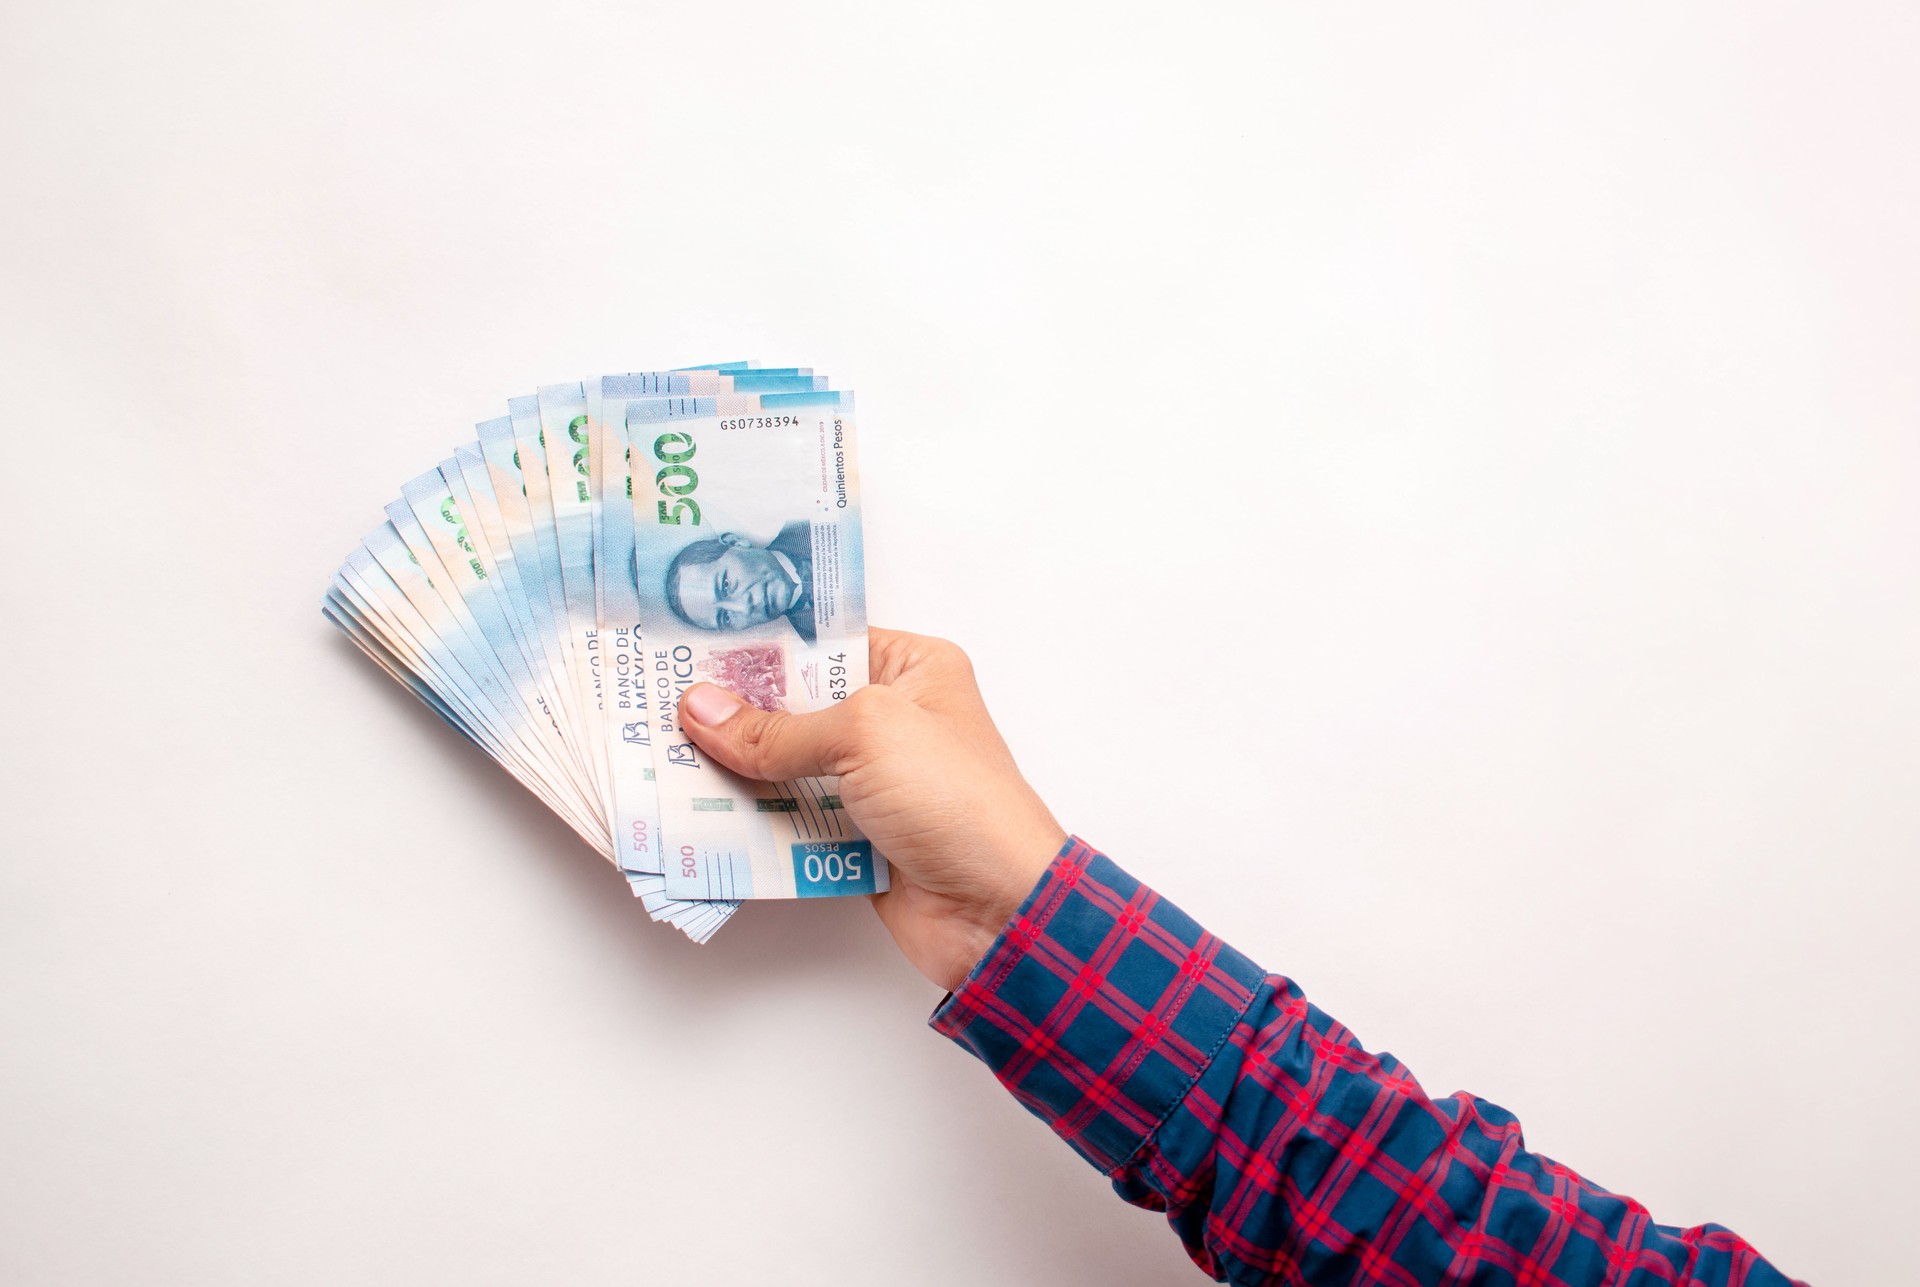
[730, 584]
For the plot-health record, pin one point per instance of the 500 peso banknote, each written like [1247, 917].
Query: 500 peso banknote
[749, 558]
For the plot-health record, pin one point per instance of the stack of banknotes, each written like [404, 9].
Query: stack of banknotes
[551, 590]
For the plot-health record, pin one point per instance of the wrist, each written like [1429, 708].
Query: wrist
[1018, 870]
[1026, 864]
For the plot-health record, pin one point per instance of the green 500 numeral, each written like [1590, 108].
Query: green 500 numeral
[676, 477]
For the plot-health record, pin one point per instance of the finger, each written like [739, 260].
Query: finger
[773, 746]
[933, 672]
[886, 653]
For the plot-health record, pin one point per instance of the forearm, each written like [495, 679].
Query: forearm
[1279, 1148]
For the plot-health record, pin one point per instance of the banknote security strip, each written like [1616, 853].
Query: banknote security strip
[551, 589]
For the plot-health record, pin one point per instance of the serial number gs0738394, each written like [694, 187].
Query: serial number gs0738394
[837, 677]
[759, 422]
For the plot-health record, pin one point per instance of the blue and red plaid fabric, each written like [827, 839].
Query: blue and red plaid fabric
[1281, 1151]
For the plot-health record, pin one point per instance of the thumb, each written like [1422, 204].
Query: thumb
[772, 746]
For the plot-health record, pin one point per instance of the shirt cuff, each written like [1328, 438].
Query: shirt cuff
[1099, 1005]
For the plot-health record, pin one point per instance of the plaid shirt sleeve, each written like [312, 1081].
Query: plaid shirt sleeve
[1281, 1151]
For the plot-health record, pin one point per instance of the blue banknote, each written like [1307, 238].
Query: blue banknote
[749, 560]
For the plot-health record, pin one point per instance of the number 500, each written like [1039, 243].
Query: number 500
[832, 868]
[676, 477]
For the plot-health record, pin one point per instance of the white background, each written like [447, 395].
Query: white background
[1433, 489]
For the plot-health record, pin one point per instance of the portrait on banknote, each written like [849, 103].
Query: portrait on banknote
[730, 582]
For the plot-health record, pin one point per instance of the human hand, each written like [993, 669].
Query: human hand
[925, 775]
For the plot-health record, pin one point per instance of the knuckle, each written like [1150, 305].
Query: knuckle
[756, 738]
[950, 655]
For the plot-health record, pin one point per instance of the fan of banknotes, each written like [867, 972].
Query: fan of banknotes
[551, 589]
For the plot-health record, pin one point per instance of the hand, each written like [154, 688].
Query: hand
[925, 775]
